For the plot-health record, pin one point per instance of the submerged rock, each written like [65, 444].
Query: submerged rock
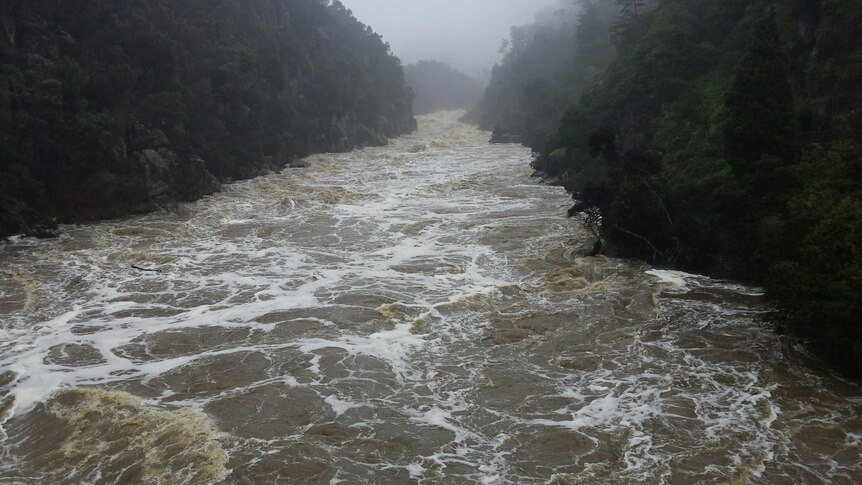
[42, 232]
[578, 208]
[498, 136]
[591, 247]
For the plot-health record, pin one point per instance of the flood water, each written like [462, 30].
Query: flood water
[414, 313]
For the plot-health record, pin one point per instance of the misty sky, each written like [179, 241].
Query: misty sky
[464, 33]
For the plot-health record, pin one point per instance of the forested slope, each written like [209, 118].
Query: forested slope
[726, 138]
[109, 107]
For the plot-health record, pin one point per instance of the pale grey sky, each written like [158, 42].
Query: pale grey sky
[463, 33]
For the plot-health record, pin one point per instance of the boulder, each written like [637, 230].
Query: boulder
[303, 163]
[193, 179]
[590, 247]
[43, 231]
[578, 208]
[39, 64]
[500, 136]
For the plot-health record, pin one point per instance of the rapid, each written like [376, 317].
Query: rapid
[414, 313]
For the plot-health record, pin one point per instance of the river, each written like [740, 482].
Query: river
[414, 313]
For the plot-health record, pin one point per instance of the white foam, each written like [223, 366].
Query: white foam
[438, 417]
[341, 406]
[416, 470]
[392, 346]
[676, 278]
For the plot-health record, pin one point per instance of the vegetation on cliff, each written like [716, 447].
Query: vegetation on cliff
[726, 138]
[109, 107]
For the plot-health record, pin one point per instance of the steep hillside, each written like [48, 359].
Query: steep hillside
[726, 138]
[109, 107]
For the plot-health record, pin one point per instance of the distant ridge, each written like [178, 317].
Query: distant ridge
[440, 87]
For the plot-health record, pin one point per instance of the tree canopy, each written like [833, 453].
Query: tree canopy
[116, 106]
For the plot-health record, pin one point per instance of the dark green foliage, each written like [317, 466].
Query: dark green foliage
[725, 138]
[759, 105]
[115, 106]
[816, 273]
[439, 87]
[629, 11]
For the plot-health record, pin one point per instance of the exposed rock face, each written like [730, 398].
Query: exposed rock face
[170, 179]
[197, 181]
[347, 133]
[159, 174]
[369, 137]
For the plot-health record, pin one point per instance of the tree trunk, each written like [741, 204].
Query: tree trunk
[10, 26]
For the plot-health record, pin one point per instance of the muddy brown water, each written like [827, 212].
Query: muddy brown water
[414, 313]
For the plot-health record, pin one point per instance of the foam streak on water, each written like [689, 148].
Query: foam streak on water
[406, 314]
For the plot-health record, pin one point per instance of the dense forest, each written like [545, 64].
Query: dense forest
[110, 107]
[725, 138]
[440, 87]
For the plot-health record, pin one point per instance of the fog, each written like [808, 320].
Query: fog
[464, 33]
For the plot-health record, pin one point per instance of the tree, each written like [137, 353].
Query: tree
[630, 9]
[223, 89]
[760, 106]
